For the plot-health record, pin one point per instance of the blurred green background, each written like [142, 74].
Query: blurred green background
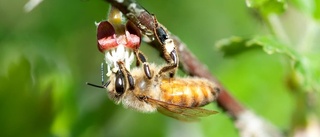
[47, 55]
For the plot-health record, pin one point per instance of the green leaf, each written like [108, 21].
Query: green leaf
[235, 45]
[268, 6]
[20, 96]
[316, 13]
[305, 74]
[308, 70]
[310, 7]
[271, 45]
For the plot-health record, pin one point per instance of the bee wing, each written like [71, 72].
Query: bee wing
[181, 112]
[177, 116]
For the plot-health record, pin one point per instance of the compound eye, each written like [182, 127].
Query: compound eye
[106, 36]
[120, 83]
[161, 35]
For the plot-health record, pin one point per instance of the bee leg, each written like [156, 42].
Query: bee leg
[168, 49]
[130, 81]
[127, 74]
[142, 97]
[172, 66]
[141, 59]
[159, 32]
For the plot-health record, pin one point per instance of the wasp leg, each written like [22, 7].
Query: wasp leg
[141, 59]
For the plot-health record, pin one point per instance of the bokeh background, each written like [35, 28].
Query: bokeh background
[47, 55]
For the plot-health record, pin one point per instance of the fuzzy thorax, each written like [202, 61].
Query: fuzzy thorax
[143, 87]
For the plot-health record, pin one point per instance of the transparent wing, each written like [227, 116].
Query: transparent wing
[180, 112]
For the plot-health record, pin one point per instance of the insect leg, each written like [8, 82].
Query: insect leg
[141, 59]
[127, 74]
[168, 49]
[171, 67]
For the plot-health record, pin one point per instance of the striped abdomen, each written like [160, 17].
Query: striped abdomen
[189, 92]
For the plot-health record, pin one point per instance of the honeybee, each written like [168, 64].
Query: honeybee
[179, 98]
[149, 88]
